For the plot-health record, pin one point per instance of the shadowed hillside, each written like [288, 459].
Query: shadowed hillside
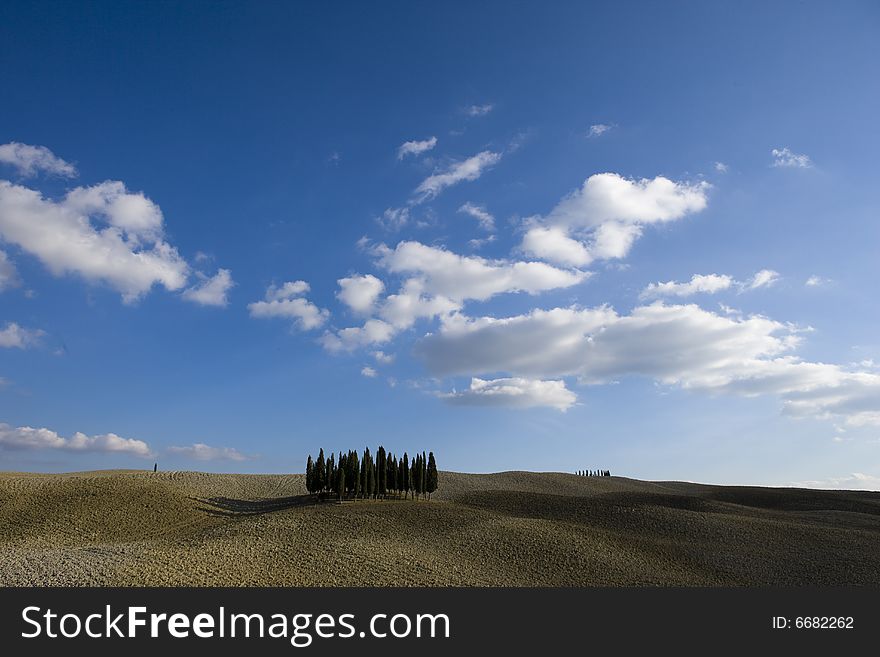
[510, 528]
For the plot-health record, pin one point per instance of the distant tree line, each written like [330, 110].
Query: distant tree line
[364, 477]
[594, 473]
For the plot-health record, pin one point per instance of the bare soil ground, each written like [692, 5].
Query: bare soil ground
[508, 529]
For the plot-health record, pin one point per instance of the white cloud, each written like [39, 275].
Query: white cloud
[360, 292]
[415, 147]
[699, 283]
[27, 438]
[8, 273]
[374, 331]
[783, 157]
[598, 129]
[13, 335]
[211, 291]
[459, 278]
[606, 215]
[369, 372]
[680, 345]
[478, 110]
[514, 393]
[478, 212]
[720, 167]
[203, 452]
[553, 244]
[439, 283]
[31, 160]
[854, 481]
[382, 357]
[606, 197]
[816, 281]
[479, 243]
[394, 218]
[102, 233]
[466, 170]
[285, 301]
[764, 278]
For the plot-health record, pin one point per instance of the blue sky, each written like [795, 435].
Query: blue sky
[640, 237]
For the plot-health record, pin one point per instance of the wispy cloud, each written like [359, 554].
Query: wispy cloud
[479, 110]
[31, 160]
[469, 169]
[784, 157]
[598, 129]
[478, 212]
[203, 452]
[415, 147]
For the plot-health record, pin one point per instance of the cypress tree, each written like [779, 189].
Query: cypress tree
[432, 478]
[407, 480]
[355, 475]
[319, 473]
[392, 473]
[381, 471]
[309, 467]
[423, 478]
[340, 482]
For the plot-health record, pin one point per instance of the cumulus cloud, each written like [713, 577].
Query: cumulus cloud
[415, 147]
[102, 233]
[369, 372]
[783, 157]
[374, 331]
[14, 336]
[514, 393]
[607, 214]
[699, 283]
[478, 212]
[438, 283]
[360, 292]
[203, 452]
[598, 129]
[28, 438]
[553, 244]
[8, 273]
[285, 301]
[465, 170]
[459, 278]
[478, 110]
[680, 345]
[211, 290]
[31, 160]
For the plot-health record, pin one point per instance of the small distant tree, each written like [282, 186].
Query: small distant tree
[432, 478]
[309, 468]
[407, 475]
[381, 472]
[318, 476]
[340, 483]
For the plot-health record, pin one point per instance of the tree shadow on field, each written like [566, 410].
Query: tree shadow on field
[229, 507]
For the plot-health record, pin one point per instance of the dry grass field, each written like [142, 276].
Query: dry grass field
[507, 529]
